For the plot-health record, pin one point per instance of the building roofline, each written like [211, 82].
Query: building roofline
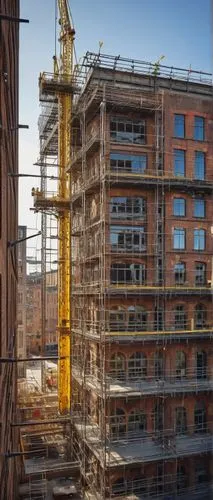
[105, 68]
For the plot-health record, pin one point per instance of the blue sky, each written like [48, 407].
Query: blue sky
[140, 29]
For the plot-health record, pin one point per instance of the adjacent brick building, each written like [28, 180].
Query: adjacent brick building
[33, 312]
[142, 317]
[9, 46]
[21, 303]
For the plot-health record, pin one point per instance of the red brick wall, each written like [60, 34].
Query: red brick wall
[8, 232]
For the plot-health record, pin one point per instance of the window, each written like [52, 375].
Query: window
[137, 319]
[179, 207]
[128, 131]
[180, 273]
[199, 239]
[199, 208]
[134, 318]
[181, 425]
[127, 239]
[127, 207]
[158, 416]
[158, 319]
[158, 364]
[199, 167]
[199, 128]
[179, 126]
[200, 274]
[180, 364]
[179, 163]
[200, 417]
[179, 239]
[117, 320]
[137, 366]
[201, 474]
[137, 421]
[119, 487]
[128, 273]
[200, 316]
[201, 365]
[118, 422]
[181, 477]
[118, 366]
[180, 318]
[136, 164]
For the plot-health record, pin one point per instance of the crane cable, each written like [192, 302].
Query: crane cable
[73, 25]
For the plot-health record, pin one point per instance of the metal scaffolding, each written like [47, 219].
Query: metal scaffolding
[105, 443]
[111, 274]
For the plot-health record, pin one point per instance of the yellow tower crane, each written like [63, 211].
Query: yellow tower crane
[64, 71]
[61, 85]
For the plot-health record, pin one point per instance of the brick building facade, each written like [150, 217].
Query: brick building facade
[142, 295]
[21, 302]
[34, 341]
[9, 46]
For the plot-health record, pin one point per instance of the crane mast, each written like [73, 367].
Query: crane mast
[65, 68]
[60, 85]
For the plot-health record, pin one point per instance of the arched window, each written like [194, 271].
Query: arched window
[137, 319]
[200, 316]
[137, 421]
[118, 423]
[181, 478]
[180, 273]
[117, 320]
[158, 364]
[200, 417]
[180, 317]
[201, 364]
[180, 420]
[180, 364]
[137, 366]
[118, 365]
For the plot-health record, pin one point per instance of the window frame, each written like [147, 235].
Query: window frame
[128, 236]
[200, 278]
[179, 135]
[179, 246]
[182, 153]
[180, 317]
[125, 207]
[175, 200]
[180, 276]
[200, 317]
[137, 274]
[117, 368]
[200, 417]
[129, 136]
[199, 200]
[137, 365]
[198, 128]
[136, 164]
[180, 420]
[180, 364]
[202, 155]
[200, 248]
